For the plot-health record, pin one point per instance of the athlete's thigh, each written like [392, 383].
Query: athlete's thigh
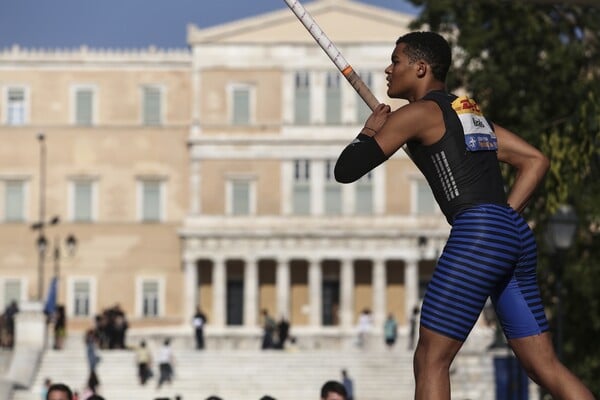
[518, 302]
[479, 256]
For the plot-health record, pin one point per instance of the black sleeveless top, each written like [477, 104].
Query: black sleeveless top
[459, 177]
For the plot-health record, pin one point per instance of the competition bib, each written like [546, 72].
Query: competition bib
[479, 135]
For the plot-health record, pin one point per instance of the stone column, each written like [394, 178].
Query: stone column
[379, 292]
[288, 86]
[287, 187]
[283, 283]
[190, 291]
[315, 285]
[195, 199]
[347, 293]
[219, 277]
[411, 280]
[251, 292]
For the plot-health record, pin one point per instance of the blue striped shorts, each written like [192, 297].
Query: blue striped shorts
[491, 252]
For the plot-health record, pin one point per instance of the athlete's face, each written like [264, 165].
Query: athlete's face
[400, 74]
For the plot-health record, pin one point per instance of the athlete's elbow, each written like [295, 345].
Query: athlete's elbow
[343, 173]
[542, 164]
[545, 163]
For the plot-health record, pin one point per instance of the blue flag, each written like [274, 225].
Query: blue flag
[51, 298]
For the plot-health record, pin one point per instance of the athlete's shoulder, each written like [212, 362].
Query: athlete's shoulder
[417, 119]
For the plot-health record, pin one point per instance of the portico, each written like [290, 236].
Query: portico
[318, 282]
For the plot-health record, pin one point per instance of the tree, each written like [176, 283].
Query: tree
[534, 67]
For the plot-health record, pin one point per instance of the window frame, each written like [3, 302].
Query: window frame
[252, 197]
[73, 101]
[163, 104]
[26, 198]
[24, 282]
[72, 200]
[93, 293]
[26, 104]
[302, 80]
[367, 180]
[231, 88]
[301, 178]
[139, 299]
[162, 198]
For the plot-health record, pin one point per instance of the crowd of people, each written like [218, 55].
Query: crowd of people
[111, 328]
[275, 334]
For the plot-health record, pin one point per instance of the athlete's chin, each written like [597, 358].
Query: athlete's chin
[393, 94]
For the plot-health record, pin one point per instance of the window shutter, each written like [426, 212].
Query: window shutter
[15, 199]
[152, 106]
[84, 107]
[83, 201]
[241, 106]
[16, 107]
[151, 201]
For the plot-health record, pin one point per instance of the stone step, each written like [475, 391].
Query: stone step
[250, 374]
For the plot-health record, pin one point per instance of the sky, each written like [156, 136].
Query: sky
[128, 23]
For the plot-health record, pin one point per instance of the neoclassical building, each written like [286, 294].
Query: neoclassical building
[203, 177]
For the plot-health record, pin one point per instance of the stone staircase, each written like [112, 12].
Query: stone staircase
[249, 374]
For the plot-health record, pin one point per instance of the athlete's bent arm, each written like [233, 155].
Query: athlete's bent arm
[384, 133]
[530, 163]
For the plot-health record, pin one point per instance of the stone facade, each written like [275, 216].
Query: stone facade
[202, 178]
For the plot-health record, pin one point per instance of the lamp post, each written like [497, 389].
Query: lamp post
[71, 243]
[41, 243]
[562, 226]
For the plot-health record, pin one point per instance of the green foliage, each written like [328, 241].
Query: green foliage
[534, 67]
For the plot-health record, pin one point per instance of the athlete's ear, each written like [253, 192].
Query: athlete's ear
[421, 68]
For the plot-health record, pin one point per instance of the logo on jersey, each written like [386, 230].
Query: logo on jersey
[479, 135]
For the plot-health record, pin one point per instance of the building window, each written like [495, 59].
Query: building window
[151, 106]
[333, 99]
[362, 109]
[81, 298]
[301, 191]
[150, 298]
[333, 191]
[83, 200]
[84, 106]
[12, 291]
[16, 106]
[302, 98]
[423, 201]
[241, 105]
[151, 196]
[241, 197]
[14, 201]
[364, 195]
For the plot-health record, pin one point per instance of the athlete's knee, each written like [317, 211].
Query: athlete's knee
[430, 355]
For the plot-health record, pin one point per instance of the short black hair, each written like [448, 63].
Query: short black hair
[335, 387]
[430, 47]
[59, 387]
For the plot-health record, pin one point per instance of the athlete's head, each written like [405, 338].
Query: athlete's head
[419, 60]
[431, 48]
